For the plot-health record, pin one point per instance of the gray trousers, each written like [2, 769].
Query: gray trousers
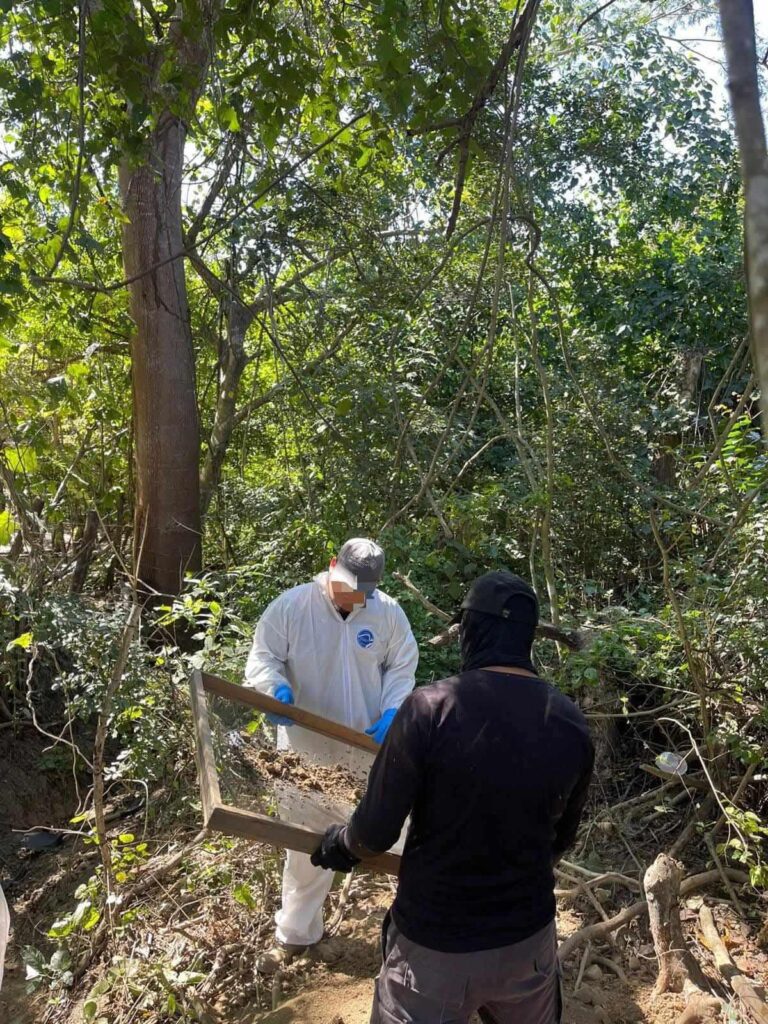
[517, 984]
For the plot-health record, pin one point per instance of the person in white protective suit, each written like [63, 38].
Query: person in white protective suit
[5, 928]
[341, 648]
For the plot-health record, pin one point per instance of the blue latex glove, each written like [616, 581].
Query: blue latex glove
[379, 729]
[285, 695]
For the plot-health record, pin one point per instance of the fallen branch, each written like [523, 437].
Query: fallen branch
[152, 876]
[743, 986]
[148, 879]
[617, 969]
[421, 598]
[572, 639]
[602, 928]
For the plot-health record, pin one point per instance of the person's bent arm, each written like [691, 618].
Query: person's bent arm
[393, 783]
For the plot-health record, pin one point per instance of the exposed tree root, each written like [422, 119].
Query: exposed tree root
[743, 986]
[603, 928]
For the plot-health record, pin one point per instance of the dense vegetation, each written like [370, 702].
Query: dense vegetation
[277, 274]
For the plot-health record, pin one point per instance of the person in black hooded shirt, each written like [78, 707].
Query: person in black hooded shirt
[493, 766]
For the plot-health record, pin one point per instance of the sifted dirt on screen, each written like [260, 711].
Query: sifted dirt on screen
[254, 775]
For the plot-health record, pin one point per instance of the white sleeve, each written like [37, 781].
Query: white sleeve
[399, 669]
[265, 668]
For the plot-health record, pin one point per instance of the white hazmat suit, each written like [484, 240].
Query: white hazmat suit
[5, 928]
[349, 670]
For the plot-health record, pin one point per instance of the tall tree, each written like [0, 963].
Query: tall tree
[738, 21]
[167, 522]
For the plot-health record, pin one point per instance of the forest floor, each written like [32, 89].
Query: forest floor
[339, 990]
[208, 905]
[333, 984]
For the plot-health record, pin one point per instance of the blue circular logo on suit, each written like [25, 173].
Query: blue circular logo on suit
[365, 638]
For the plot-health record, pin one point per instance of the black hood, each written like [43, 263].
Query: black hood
[490, 640]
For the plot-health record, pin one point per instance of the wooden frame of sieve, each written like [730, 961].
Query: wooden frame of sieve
[234, 821]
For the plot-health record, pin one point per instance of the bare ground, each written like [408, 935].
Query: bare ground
[213, 915]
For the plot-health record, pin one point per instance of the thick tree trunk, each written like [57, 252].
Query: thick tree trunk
[167, 504]
[738, 23]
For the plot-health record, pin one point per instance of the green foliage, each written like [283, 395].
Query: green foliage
[602, 392]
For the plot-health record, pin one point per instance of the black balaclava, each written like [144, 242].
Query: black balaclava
[491, 640]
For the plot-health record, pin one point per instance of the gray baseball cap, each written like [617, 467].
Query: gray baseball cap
[359, 564]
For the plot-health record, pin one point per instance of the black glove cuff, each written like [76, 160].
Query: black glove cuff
[332, 853]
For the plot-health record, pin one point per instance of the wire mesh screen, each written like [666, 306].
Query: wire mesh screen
[254, 775]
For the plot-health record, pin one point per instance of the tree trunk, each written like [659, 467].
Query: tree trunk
[230, 371]
[738, 23]
[167, 503]
[677, 966]
[85, 552]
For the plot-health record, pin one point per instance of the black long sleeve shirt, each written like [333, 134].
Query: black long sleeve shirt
[494, 770]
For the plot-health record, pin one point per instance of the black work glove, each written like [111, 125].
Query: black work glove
[332, 852]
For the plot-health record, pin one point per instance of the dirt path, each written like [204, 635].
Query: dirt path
[339, 991]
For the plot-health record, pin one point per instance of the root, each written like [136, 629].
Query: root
[603, 928]
[743, 986]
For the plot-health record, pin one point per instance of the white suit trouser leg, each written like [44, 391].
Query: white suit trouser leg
[5, 927]
[300, 919]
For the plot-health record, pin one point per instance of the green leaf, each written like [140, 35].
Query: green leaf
[21, 458]
[8, 527]
[24, 641]
[365, 158]
[91, 919]
[60, 960]
[126, 837]
[228, 118]
[15, 232]
[242, 894]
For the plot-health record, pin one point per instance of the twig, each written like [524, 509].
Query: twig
[582, 966]
[690, 829]
[338, 916]
[583, 889]
[82, 9]
[709, 840]
[572, 639]
[130, 631]
[594, 14]
[606, 878]
[605, 961]
[41, 728]
[743, 986]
